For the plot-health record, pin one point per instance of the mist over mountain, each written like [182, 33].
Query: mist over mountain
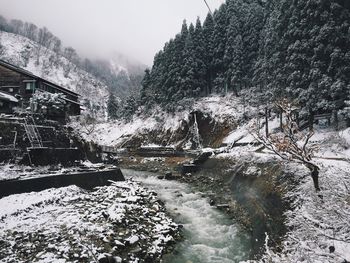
[121, 74]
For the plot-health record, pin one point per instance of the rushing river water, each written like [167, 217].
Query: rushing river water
[210, 236]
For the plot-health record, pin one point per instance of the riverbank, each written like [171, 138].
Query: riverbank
[250, 190]
[275, 202]
[123, 222]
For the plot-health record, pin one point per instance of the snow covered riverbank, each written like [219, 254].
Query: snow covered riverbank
[318, 223]
[123, 221]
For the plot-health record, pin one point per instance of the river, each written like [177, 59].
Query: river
[209, 235]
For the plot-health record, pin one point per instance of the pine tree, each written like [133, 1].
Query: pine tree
[112, 106]
[233, 57]
[208, 31]
[146, 94]
[252, 24]
[189, 83]
[266, 66]
[219, 40]
[199, 51]
[316, 43]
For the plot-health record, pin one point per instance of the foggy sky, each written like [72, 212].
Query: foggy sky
[96, 28]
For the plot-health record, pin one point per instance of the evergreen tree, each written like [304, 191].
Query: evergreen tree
[112, 106]
[316, 43]
[233, 57]
[208, 31]
[252, 24]
[296, 49]
[146, 92]
[199, 51]
[219, 40]
[189, 83]
[266, 66]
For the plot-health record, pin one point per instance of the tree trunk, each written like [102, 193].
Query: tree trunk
[311, 120]
[244, 108]
[297, 118]
[235, 90]
[336, 120]
[281, 120]
[266, 122]
[314, 174]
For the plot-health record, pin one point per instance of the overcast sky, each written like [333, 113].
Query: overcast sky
[137, 28]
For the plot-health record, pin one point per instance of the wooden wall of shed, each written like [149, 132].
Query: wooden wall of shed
[10, 77]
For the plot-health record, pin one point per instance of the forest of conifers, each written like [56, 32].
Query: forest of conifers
[295, 49]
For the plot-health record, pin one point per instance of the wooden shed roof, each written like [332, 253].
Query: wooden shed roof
[31, 75]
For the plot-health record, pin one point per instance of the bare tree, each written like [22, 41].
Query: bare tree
[45, 37]
[30, 31]
[290, 143]
[88, 124]
[2, 48]
[17, 26]
[4, 26]
[71, 55]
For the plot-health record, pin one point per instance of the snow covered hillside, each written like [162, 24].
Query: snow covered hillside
[215, 111]
[49, 65]
[237, 118]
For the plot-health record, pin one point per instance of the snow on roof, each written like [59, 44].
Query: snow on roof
[30, 74]
[7, 97]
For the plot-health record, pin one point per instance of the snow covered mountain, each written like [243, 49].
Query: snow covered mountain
[120, 62]
[52, 66]
[120, 73]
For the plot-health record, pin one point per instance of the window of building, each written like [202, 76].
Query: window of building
[11, 90]
[30, 87]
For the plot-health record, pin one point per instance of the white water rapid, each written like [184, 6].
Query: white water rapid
[209, 235]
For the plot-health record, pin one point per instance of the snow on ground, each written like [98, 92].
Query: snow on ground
[12, 171]
[72, 225]
[8, 97]
[318, 223]
[223, 108]
[112, 133]
[116, 132]
[244, 134]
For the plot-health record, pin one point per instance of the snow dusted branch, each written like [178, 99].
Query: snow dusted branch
[290, 143]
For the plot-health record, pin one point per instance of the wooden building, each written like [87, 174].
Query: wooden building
[22, 85]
